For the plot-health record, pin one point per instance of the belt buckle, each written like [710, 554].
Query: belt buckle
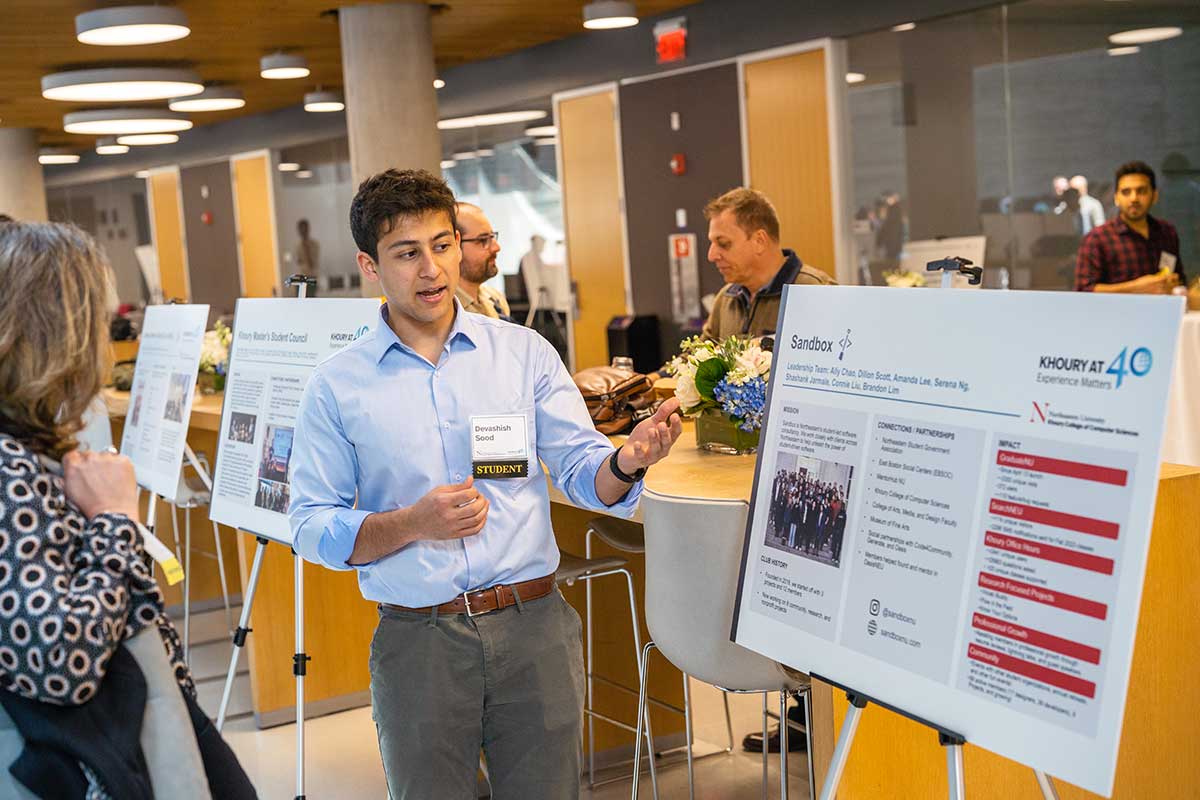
[466, 596]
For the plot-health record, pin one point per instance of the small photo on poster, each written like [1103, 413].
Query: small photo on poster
[178, 386]
[809, 501]
[276, 454]
[135, 413]
[272, 495]
[242, 427]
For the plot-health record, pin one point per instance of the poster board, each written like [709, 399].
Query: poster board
[276, 344]
[160, 398]
[977, 545]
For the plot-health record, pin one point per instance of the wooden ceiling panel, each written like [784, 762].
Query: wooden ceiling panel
[229, 36]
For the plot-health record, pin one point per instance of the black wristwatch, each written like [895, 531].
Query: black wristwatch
[621, 476]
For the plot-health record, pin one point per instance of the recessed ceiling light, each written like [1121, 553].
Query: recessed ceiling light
[448, 163]
[480, 120]
[1145, 35]
[118, 121]
[109, 146]
[304, 173]
[1124, 51]
[142, 173]
[855, 77]
[548, 141]
[120, 85]
[438, 83]
[213, 98]
[288, 166]
[542, 130]
[282, 67]
[129, 25]
[319, 102]
[903, 26]
[57, 155]
[601, 15]
[145, 139]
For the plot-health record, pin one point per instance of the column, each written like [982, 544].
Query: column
[22, 192]
[388, 71]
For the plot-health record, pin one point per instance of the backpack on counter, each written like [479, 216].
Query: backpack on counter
[616, 399]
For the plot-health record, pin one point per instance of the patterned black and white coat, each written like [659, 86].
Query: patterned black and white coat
[71, 589]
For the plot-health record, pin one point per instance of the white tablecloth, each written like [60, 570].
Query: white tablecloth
[1181, 445]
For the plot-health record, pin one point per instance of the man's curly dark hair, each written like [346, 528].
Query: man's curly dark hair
[384, 198]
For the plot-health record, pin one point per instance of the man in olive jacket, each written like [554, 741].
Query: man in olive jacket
[743, 235]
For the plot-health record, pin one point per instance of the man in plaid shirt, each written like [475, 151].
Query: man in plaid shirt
[1134, 253]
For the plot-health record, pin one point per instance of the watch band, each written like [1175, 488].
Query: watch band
[621, 476]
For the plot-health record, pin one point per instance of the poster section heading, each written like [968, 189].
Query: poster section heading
[954, 499]
[276, 344]
[160, 398]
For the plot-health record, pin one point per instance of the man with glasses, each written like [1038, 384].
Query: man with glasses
[480, 246]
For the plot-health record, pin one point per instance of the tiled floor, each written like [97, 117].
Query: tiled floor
[342, 758]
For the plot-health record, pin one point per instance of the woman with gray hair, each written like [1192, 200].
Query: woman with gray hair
[75, 583]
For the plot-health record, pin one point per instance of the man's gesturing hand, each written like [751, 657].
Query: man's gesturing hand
[454, 511]
[651, 440]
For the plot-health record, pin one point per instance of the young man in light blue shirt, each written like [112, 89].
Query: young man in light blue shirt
[416, 462]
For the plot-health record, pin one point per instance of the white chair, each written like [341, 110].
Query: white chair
[693, 555]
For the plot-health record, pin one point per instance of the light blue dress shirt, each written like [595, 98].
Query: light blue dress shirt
[380, 423]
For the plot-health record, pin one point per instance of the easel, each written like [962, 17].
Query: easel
[300, 659]
[951, 741]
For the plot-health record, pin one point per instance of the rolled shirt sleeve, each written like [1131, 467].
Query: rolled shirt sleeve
[568, 443]
[322, 515]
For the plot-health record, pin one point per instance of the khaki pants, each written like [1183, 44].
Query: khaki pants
[511, 682]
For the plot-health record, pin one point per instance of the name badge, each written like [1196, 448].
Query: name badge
[1167, 262]
[499, 446]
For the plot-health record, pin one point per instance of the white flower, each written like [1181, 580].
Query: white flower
[685, 390]
[753, 362]
[702, 354]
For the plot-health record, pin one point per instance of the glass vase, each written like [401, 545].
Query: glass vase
[719, 434]
[210, 383]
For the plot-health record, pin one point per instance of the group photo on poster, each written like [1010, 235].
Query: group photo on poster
[809, 500]
[272, 491]
[242, 427]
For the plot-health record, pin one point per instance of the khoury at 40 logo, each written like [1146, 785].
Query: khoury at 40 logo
[341, 338]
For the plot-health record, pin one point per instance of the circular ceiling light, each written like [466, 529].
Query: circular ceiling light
[480, 120]
[438, 83]
[449, 163]
[144, 139]
[1124, 51]
[119, 121]
[601, 15]
[304, 174]
[109, 146]
[128, 25]
[542, 130]
[903, 26]
[213, 98]
[855, 77]
[57, 155]
[120, 85]
[324, 102]
[1145, 35]
[282, 67]
[288, 166]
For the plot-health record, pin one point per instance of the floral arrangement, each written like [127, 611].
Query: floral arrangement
[903, 277]
[729, 376]
[214, 356]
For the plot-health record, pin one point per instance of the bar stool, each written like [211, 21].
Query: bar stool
[630, 537]
[192, 493]
[572, 568]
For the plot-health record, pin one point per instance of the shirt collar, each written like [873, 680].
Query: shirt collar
[786, 274]
[1123, 227]
[464, 329]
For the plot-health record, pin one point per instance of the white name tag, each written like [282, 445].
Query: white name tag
[500, 446]
[1167, 261]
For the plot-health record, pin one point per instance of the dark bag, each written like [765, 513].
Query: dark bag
[616, 399]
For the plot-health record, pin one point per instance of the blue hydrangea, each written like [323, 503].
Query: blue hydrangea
[744, 403]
